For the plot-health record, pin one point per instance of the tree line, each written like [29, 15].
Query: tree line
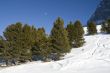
[21, 42]
[105, 27]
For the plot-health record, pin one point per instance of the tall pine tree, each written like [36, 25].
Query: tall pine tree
[19, 39]
[13, 36]
[5, 51]
[26, 43]
[78, 34]
[70, 30]
[59, 39]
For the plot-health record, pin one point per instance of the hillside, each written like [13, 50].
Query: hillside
[93, 57]
[101, 13]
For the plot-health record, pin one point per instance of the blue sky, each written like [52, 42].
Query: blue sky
[42, 13]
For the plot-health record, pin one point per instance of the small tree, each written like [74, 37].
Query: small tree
[106, 26]
[103, 27]
[78, 34]
[91, 27]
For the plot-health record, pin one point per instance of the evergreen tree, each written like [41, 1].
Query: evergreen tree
[70, 30]
[44, 43]
[108, 26]
[13, 36]
[78, 34]
[41, 46]
[1, 46]
[5, 51]
[91, 27]
[59, 39]
[26, 43]
[103, 27]
[19, 40]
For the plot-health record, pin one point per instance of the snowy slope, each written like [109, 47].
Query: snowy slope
[93, 57]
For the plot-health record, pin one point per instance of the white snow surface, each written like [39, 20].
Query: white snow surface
[93, 57]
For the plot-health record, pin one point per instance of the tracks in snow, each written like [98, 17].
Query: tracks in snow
[98, 52]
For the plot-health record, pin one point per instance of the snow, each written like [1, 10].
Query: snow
[93, 57]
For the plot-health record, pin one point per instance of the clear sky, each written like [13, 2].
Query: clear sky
[42, 13]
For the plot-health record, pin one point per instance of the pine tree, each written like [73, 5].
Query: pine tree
[41, 47]
[19, 40]
[103, 27]
[44, 43]
[91, 27]
[59, 39]
[70, 30]
[78, 34]
[12, 35]
[26, 43]
[108, 26]
[2, 47]
[5, 51]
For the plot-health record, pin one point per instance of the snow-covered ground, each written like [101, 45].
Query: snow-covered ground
[93, 57]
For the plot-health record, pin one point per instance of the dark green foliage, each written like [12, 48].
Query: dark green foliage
[23, 42]
[70, 30]
[103, 28]
[59, 39]
[41, 46]
[91, 28]
[1, 46]
[78, 34]
[106, 27]
[19, 39]
[5, 52]
[13, 34]
[26, 43]
[43, 43]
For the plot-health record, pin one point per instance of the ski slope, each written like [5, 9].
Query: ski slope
[93, 57]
